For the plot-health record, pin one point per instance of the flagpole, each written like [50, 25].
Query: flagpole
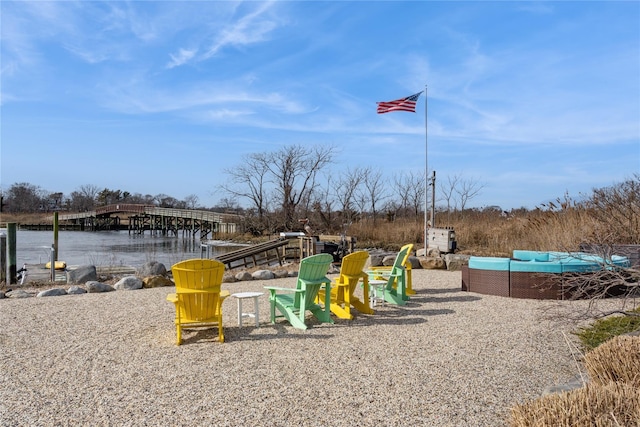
[426, 176]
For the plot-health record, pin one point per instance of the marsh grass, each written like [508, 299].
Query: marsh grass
[611, 398]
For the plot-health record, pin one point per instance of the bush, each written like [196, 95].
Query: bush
[595, 405]
[604, 329]
[615, 360]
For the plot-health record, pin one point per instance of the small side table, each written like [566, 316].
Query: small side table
[244, 295]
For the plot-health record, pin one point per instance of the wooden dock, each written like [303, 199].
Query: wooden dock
[261, 254]
[155, 220]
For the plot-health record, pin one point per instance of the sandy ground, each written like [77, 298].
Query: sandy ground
[447, 358]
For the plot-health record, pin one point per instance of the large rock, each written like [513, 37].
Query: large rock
[455, 262]
[82, 274]
[156, 282]
[97, 287]
[432, 263]
[152, 268]
[281, 274]
[76, 290]
[18, 294]
[375, 258]
[244, 276]
[414, 261]
[229, 278]
[52, 292]
[262, 275]
[129, 283]
[388, 260]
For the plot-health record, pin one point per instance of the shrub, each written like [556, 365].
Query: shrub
[604, 329]
[595, 405]
[615, 360]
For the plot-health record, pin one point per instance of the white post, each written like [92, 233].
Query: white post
[426, 176]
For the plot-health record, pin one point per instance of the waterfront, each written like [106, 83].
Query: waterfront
[110, 248]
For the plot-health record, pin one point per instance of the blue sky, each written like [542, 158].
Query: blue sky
[530, 99]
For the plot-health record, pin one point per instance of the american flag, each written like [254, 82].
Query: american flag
[404, 104]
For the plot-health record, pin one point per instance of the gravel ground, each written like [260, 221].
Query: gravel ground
[447, 358]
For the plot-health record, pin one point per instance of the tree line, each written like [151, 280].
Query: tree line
[275, 190]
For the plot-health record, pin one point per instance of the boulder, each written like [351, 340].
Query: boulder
[156, 282]
[129, 283]
[262, 275]
[55, 292]
[415, 262]
[280, 274]
[375, 259]
[455, 262]
[82, 274]
[152, 268]
[96, 287]
[229, 278]
[432, 263]
[76, 290]
[244, 276]
[388, 260]
[19, 293]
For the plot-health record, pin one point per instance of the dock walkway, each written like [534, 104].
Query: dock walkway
[261, 254]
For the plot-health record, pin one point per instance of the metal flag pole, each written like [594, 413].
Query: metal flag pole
[426, 176]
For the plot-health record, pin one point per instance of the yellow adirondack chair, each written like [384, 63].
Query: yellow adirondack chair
[407, 267]
[296, 302]
[198, 298]
[342, 290]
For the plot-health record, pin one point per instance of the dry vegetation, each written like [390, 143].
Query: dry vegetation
[612, 398]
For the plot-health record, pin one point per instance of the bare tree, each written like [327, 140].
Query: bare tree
[617, 208]
[373, 190]
[467, 189]
[24, 197]
[448, 189]
[293, 171]
[248, 181]
[401, 192]
[616, 231]
[346, 189]
[410, 190]
[323, 206]
[191, 201]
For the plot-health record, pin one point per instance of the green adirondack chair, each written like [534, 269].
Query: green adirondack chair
[294, 304]
[390, 285]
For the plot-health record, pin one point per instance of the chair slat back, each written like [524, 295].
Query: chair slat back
[398, 263]
[312, 274]
[353, 264]
[204, 275]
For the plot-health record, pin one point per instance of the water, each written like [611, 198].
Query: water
[110, 248]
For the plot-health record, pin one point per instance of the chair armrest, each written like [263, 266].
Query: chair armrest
[381, 267]
[275, 288]
[172, 298]
[224, 294]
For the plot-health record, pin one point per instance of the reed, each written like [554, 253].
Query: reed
[594, 405]
[616, 360]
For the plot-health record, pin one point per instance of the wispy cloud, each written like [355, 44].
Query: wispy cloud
[251, 28]
[183, 56]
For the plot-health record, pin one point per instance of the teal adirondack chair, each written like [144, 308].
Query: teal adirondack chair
[390, 285]
[294, 304]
